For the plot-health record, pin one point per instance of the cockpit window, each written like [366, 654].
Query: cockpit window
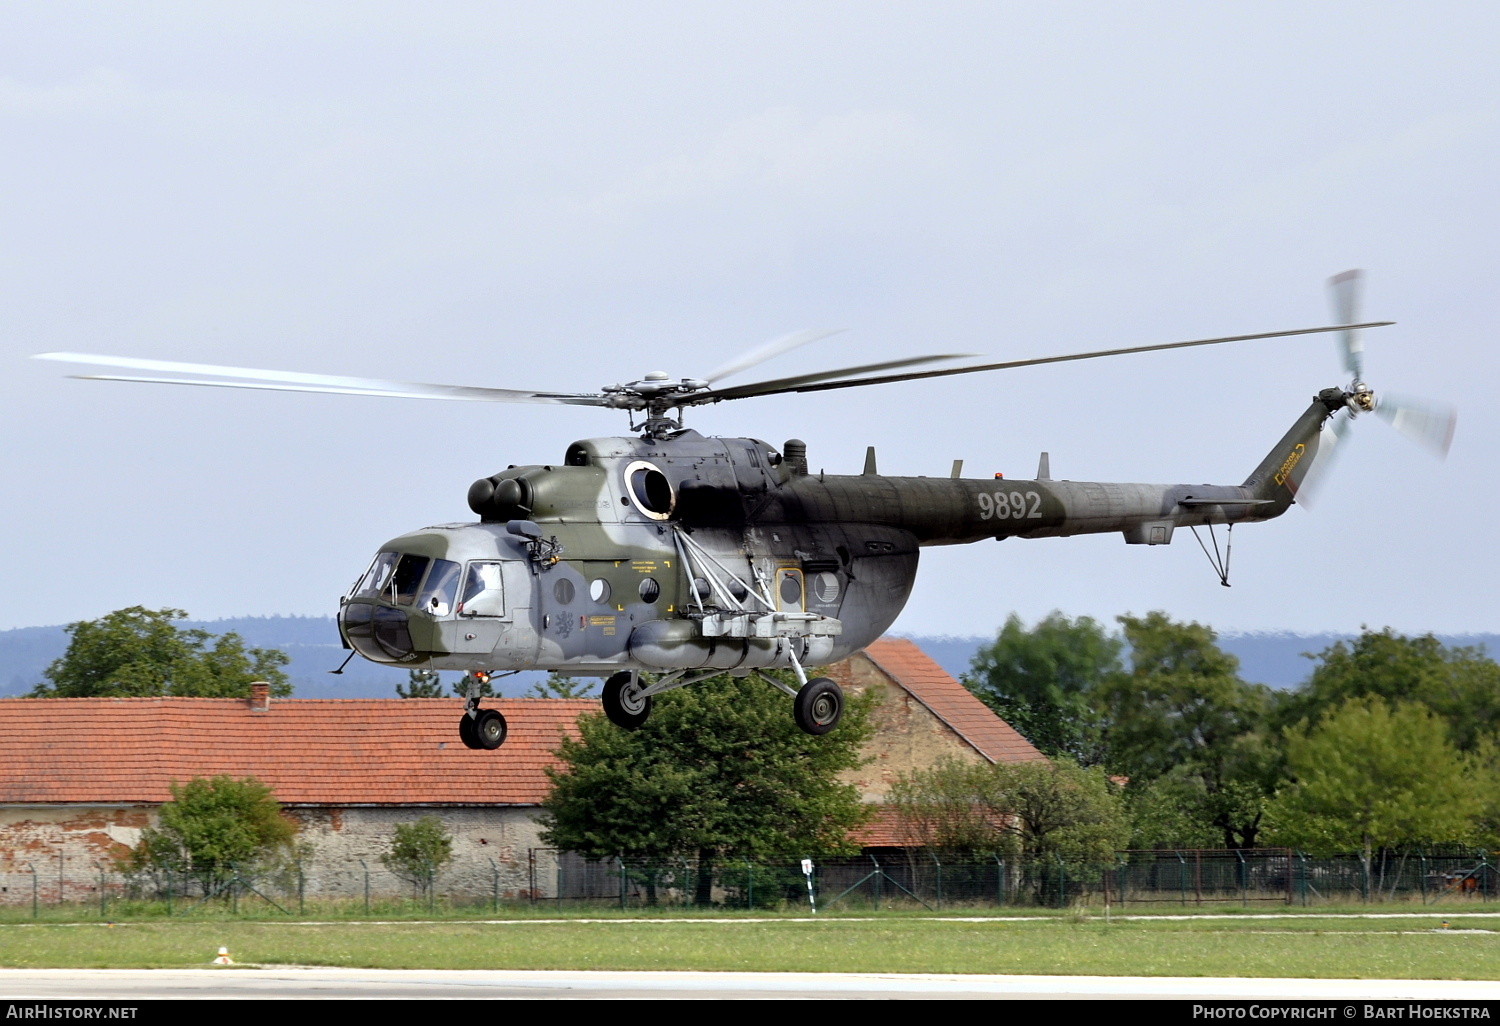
[409, 578]
[441, 590]
[483, 594]
[378, 576]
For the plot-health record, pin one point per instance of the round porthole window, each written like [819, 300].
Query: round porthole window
[649, 490]
[599, 590]
[791, 590]
[826, 586]
[650, 590]
[563, 591]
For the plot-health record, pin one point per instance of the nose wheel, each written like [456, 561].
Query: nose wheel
[624, 704]
[819, 706]
[480, 728]
[487, 730]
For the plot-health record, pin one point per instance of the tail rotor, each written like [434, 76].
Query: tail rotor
[1428, 423]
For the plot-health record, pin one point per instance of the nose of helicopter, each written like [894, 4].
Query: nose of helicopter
[379, 633]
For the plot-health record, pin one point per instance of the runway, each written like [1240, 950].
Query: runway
[124, 985]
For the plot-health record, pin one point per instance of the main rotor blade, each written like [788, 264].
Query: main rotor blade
[781, 384]
[1009, 364]
[461, 394]
[1345, 289]
[1427, 423]
[771, 349]
[296, 381]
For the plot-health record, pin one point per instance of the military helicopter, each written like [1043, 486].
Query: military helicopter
[682, 556]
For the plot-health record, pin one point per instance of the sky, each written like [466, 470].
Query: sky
[565, 195]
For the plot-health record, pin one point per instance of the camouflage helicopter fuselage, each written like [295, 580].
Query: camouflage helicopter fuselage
[685, 552]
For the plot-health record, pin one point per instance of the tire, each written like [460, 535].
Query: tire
[490, 729]
[819, 706]
[623, 704]
[466, 731]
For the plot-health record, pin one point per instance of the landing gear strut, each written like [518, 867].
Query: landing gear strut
[480, 728]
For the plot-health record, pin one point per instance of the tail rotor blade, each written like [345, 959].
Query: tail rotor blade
[1345, 291]
[1332, 441]
[1427, 423]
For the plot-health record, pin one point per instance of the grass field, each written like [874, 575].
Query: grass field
[1303, 946]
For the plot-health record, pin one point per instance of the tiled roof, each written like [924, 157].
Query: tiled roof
[950, 701]
[310, 751]
[885, 829]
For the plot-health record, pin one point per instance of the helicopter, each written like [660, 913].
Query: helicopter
[662, 558]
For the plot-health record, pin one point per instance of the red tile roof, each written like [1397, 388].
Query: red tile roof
[950, 701]
[310, 751]
[886, 829]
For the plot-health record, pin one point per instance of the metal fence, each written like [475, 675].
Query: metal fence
[921, 878]
[910, 878]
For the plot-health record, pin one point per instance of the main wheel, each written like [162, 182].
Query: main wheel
[489, 729]
[466, 731]
[624, 704]
[818, 706]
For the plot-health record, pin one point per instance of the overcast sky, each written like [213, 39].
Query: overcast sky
[563, 195]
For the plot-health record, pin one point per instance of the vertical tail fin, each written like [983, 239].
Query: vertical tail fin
[1281, 473]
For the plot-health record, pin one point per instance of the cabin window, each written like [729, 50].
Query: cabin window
[483, 592]
[650, 590]
[599, 590]
[563, 591]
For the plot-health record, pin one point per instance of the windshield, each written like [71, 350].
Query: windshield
[378, 575]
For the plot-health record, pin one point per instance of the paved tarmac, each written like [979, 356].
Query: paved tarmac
[124, 985]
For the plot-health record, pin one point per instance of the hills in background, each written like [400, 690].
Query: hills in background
[312, 642]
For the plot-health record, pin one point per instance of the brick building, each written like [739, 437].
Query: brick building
[82, 777]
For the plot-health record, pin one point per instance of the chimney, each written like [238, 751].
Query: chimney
[260, 697]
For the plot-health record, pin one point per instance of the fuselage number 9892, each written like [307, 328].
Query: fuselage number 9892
[1010, 505]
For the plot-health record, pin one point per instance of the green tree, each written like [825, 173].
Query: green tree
[559, 686]
[486, 689]
[213, 828]
[1043, 681]
[417, 851]
[421, 684]
[1182, 712]
[1371, 776]
[1051, 807]
[719, 771]
[1462, 685]
[139, 652]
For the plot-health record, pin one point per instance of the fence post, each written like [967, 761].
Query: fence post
[494, 886]
[301, 888]
[61, 862]
[169, 891]
[1422, 862]
[103, 906]
[939, 866]
[999, 881]
[749, 885]
[431, 888]
[367, 885]
[35, 911]
[1062, 883]
[1244, 881]
[1181, 877]
[620, 861]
